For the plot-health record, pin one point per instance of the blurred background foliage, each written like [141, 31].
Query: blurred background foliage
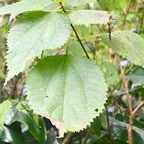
[22, 126]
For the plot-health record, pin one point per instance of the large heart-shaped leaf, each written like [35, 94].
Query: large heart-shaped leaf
[127, 44]
[69, 91]
[32, 34]
[85, 17]
[24, 6]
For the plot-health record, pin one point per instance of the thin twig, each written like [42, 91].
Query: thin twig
[101, 30]
[78, 38]
[126, 13]
[88, 37]
[130, 137]
[56, 9]
[141, 24]
[67, 138]
[80, 41]
[137, 108]
[87, 136]
[92, 36]
[108, 125]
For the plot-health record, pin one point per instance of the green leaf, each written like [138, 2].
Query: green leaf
[52, 7]
[33, 33]
[110, 72]
[74, 48]
[104, 4]
[75, 3]
[23, 107]
[136, 76]
[4, 109]
[85, 17]
[96, 126]
[119, 130]
[24, 6]
[69, 91]
[12, 134]
[43, 131]
[127, 44]
[37, 130]
[2, 75]
[111, 5]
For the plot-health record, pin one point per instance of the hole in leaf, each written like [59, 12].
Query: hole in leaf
[96, 110]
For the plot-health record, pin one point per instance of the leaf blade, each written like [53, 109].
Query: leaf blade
[75, 3]
[33, 33]
[127, 44]
[4, 109]
[86, 17]
[65, 91]
[24, 6]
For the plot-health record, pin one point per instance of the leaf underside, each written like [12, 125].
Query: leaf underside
[24, 6]
[127, 44]
[31, 34]
[67, 90]
[86, 17]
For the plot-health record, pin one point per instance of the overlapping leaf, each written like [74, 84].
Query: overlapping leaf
[4, 109]
[136, 76]
[89, 17]
[74, 3]
[67, 90]
[127, 44]
[110, 72]
[2, 75]
[24, 6]
[32, 34]
[37, 129]
[12, 134]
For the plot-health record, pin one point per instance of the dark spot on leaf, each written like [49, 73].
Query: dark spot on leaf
[46, 96]
[112, 74]
[96, 110]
